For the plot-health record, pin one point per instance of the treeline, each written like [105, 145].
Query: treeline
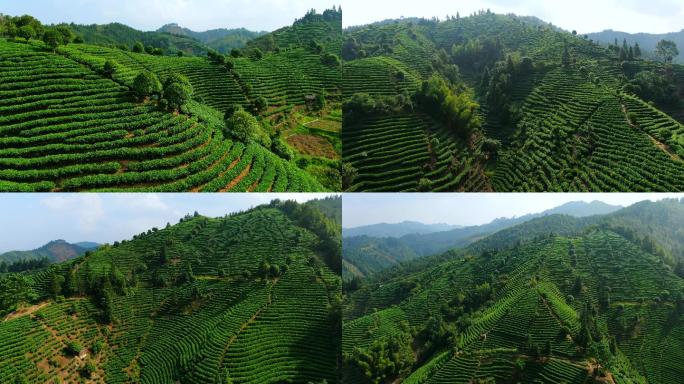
[333, 14]
[328, 231]
[24, 265]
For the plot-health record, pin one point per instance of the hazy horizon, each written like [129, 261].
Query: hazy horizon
[197, 15]
[34, 219]
[632, 16]
[473, 208]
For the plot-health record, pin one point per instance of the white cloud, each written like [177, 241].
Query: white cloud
[147, 202]
[86, 207]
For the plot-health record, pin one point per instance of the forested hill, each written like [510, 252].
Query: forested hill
[646, 41]
[367, 254]
[140, 118]
[567, 303]
[320, 32]
[52, 252]
[248, 298]
[222, 40]
[495, 102]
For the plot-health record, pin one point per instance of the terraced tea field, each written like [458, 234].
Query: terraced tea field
[556, 110]
[66, 126]
[530, 328]
[189, 303]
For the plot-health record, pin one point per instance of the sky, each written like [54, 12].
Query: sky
[585, 16]
[467, 208]
[148, 15]
[34, 219]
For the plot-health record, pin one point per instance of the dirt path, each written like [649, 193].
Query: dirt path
[237, 179]
[26, 310]
[251, 320]
[663, 147]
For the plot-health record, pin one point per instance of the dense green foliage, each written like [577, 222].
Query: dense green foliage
[188, 303]
[515, 105]
[552, 300]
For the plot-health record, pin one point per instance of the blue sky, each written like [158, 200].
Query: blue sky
[655, 16]
[199, 15]
[466, 208]
[33, 219]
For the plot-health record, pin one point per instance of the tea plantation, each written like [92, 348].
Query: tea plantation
[591, 305]
[247, 298]
[520, 105]
[72, 119]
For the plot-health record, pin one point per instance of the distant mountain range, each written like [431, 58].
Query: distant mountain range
[171, 38]
[397, 229]
[647, 41]
[55, 251]
[365, 254]
[222, 39]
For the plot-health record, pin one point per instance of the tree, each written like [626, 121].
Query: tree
[65, 33]
[177, 90]
[138, 47]
[88, 369]
[281, 149]
[235, 53]
[230, 110]
[331, 60]
[637, 51]
[51, 38]
[73, 347]
[146, 84]
[349, 174]
[257, 54]
[242, 126]
[110, 68]
[260, 104]
[26, 32]
[667, 50]
[56, 285]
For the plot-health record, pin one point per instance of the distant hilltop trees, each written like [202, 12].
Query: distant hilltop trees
[334, 14]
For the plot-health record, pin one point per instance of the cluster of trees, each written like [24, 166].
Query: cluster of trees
[385, 359]
[268, 270]
[138, 47]
[24, 265]
[363, 105]
[220, 59]
[15, 289]
[498, 82]
[457, 109]
[626, 52]
[654, 86]
[476, 54]
[27, 27]
[352, 49]
[333, 14]
[243, 126]
[173, 94]
[327, 231]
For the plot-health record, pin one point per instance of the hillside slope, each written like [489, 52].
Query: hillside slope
[365, 255]
[512, 105]
[78, 127]
[222, 40]
[551, 309]
[245, 298]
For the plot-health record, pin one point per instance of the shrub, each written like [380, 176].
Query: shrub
[146, 84]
